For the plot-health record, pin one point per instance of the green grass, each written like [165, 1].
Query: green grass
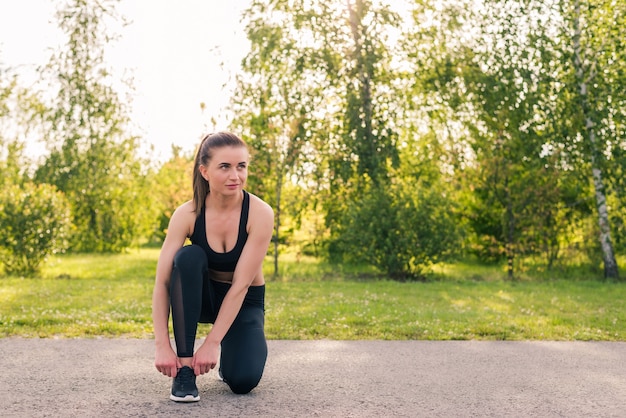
[82, 295]
[110, 296]
[448, 311]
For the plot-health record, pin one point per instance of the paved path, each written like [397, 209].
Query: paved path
[116, 378]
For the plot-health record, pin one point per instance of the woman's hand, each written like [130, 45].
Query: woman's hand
[206, 357]
[166, 361]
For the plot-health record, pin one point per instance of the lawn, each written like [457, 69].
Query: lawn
[110, 296]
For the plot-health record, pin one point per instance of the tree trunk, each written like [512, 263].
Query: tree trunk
[367, 151]
[510, 233]
[279, 187]
[610, 264]
[585, 76]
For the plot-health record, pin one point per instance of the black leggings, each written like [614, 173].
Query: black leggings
[195, 298]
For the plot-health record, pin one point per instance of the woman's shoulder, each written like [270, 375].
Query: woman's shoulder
[186, 209]
[184, 217]
[259, 207]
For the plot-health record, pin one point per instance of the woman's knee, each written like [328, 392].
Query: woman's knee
[190, 256]
[243, 362]
[243, 384]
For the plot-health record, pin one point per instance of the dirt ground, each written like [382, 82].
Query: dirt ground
[116, 378]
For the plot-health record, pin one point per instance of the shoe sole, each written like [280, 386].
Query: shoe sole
[188, 398]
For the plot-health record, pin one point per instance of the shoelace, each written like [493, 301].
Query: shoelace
[186, 377]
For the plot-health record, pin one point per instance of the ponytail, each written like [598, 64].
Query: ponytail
[200, 185]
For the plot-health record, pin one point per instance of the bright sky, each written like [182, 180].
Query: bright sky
[173, 49]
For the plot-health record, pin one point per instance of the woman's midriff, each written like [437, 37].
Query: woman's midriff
[227, 277]
[221, 276]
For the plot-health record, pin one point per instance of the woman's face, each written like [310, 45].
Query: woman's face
[228, 170]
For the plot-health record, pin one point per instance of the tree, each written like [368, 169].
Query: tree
[493, 72]
[277, 93]
[92, 158]
[370, 133]
[595, 52]
[13, 123]
[363, 138]
[318, 101]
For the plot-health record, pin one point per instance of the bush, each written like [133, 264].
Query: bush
[402, 233]
[34, 223]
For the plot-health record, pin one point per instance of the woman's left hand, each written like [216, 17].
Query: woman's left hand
[206, 357]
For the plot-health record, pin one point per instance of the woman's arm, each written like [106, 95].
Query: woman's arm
[261, 226]
[166, 360]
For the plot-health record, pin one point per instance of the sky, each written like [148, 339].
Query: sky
[179, 53]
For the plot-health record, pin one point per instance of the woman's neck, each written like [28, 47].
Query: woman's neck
[222, 202]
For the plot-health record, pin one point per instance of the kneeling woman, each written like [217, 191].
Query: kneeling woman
[217, 279]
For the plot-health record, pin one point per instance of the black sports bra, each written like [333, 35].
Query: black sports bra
[222, 261]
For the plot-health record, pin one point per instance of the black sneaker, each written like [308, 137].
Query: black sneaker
[184, 388]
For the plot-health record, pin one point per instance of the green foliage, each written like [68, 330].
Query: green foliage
[400, 232]
[173, 186]
[513, 181]
[12, 169]
[405, 138]
[13, 164]
[505, 106]
[369, 131]
[277, 94]
[107, 199]
[92, 158]
[7, 86]
[593, 102]
[34, 223]
[474, 97]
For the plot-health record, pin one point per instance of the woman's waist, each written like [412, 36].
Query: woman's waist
[255, 296]
[227, 277]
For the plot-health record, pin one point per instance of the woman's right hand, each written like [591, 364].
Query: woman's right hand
[166, 361]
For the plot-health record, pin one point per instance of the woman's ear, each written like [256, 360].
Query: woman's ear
[204, 172]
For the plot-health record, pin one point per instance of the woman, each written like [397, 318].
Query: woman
[218, 279]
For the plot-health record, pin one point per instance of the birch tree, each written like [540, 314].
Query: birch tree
[596, 52]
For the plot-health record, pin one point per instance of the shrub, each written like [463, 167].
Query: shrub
[402, 233]
[34, 223]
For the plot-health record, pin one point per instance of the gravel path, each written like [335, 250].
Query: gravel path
[116, 378]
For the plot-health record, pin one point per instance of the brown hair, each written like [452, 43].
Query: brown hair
[203, 156]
